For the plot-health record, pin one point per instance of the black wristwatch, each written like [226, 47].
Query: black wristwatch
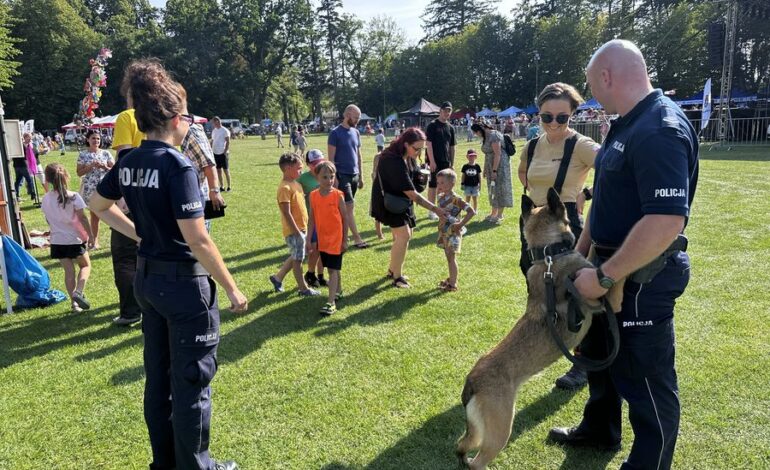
[604, 280]
[587, 194]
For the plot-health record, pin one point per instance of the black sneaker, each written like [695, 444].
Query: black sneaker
[321, 281]
[577, 438]
[574, 379]
[311, 280]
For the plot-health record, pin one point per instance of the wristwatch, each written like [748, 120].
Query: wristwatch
[587, 194]
[604, 280]
[214, 190]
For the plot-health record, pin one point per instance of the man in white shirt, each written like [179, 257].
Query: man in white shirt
[220, 145]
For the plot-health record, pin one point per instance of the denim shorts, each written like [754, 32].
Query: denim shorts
[471, 190]
[296, 244]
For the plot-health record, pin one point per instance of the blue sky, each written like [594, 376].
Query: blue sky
[405, 12]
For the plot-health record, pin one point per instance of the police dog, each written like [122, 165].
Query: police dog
[490, 390]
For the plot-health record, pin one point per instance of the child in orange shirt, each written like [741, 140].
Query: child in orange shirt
[328, 217]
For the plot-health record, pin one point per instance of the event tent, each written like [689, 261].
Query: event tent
[486, 112]
[391, 117]
[736, 96]
[422, 108]
[366, 117]
[460, 113]
[108, 122]
[531, 109]
[592, 103]
[512, 111]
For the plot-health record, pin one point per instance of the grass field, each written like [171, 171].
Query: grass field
[377, 386]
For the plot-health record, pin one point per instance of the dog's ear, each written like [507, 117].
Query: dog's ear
[554, 203]
[526, 206]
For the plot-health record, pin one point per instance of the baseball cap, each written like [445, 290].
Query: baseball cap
[314, 156]
[446, 104]
[471, 152]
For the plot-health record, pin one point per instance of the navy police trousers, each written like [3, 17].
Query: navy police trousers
[181, 334]
[643, 373]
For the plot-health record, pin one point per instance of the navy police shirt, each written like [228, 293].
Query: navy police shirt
[648, 164]
[160, 186]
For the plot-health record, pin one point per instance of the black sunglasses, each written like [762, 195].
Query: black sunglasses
[188, 117]
[561, 118]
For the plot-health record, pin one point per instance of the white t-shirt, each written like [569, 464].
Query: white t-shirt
[66, 229]
[219, 139]
[380, 139]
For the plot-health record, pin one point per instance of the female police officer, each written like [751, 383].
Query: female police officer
[176, 261]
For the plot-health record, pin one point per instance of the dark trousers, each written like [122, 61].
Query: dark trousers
[181, 334]
[22, 174]
[123, 250]
[575, 225]
[643, 374]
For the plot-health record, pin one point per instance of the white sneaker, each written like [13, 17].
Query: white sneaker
[76, 308]
[432, 216]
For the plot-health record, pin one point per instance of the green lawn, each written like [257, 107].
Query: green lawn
[378, 384]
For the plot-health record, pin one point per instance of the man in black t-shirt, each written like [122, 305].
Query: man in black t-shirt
[441, 149]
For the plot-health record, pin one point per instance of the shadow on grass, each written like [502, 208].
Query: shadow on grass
[433, 444]
[128, 376]
[275, 260]
[297, 315]
[427, 234]
[255, 253]
[40, 336]
[380, 313]
[430, 446]
[754, 153]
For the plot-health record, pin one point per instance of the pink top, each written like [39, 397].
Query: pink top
[66, 228]
[29, 152]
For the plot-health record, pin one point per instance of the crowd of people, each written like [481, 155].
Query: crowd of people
[159, 202]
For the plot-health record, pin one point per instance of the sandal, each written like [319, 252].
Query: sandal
[401, 283]
[328, 309]
[338, 295]
[390, 275]
[449, 287]
[443, 283]
[361, 245]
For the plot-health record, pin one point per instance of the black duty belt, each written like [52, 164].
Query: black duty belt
[647, 272]
[170, 268]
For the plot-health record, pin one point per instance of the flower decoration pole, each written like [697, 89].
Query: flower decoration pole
[97, 78]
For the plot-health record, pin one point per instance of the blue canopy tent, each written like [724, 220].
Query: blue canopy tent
[531, 109]
[736, 96]
[592, 103]
[486, 112]
[512, 111]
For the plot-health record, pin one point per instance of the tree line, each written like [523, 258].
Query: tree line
[294, 59]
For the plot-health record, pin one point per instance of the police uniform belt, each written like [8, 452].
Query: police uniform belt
[647, 272]
[170, 268]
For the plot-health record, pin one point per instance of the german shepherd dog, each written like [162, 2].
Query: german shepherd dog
[490, 390]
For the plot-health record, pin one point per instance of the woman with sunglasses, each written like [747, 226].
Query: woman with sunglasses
[177, 265]
[395, 170]
[497, 171]
[558, 158]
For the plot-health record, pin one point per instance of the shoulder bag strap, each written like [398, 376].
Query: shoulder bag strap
[530, 155]
[569, 147]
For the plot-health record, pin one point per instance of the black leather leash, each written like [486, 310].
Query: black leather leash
[575, 320]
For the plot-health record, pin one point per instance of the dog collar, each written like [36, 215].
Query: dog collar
[554, 250]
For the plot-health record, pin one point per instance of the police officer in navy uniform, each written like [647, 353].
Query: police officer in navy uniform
[176, 263]
[646, 174]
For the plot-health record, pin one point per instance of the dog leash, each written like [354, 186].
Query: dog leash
[575, 321]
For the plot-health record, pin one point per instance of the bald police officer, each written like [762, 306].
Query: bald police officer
[646, 174]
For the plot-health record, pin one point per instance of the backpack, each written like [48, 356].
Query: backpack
[508, 146]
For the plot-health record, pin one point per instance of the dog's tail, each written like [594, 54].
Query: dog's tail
[474, 428]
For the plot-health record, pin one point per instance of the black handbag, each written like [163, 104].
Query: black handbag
[393, 204]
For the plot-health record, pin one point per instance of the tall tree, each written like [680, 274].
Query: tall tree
[57, 45]
[329, 17]
[443, 18]
[313, 66]
[262, 37]
[8, 50]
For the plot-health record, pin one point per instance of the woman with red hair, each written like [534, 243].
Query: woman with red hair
[394, 195]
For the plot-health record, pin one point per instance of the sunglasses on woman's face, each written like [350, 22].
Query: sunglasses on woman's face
[548, 118]
[188, 118]
[417, 149]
